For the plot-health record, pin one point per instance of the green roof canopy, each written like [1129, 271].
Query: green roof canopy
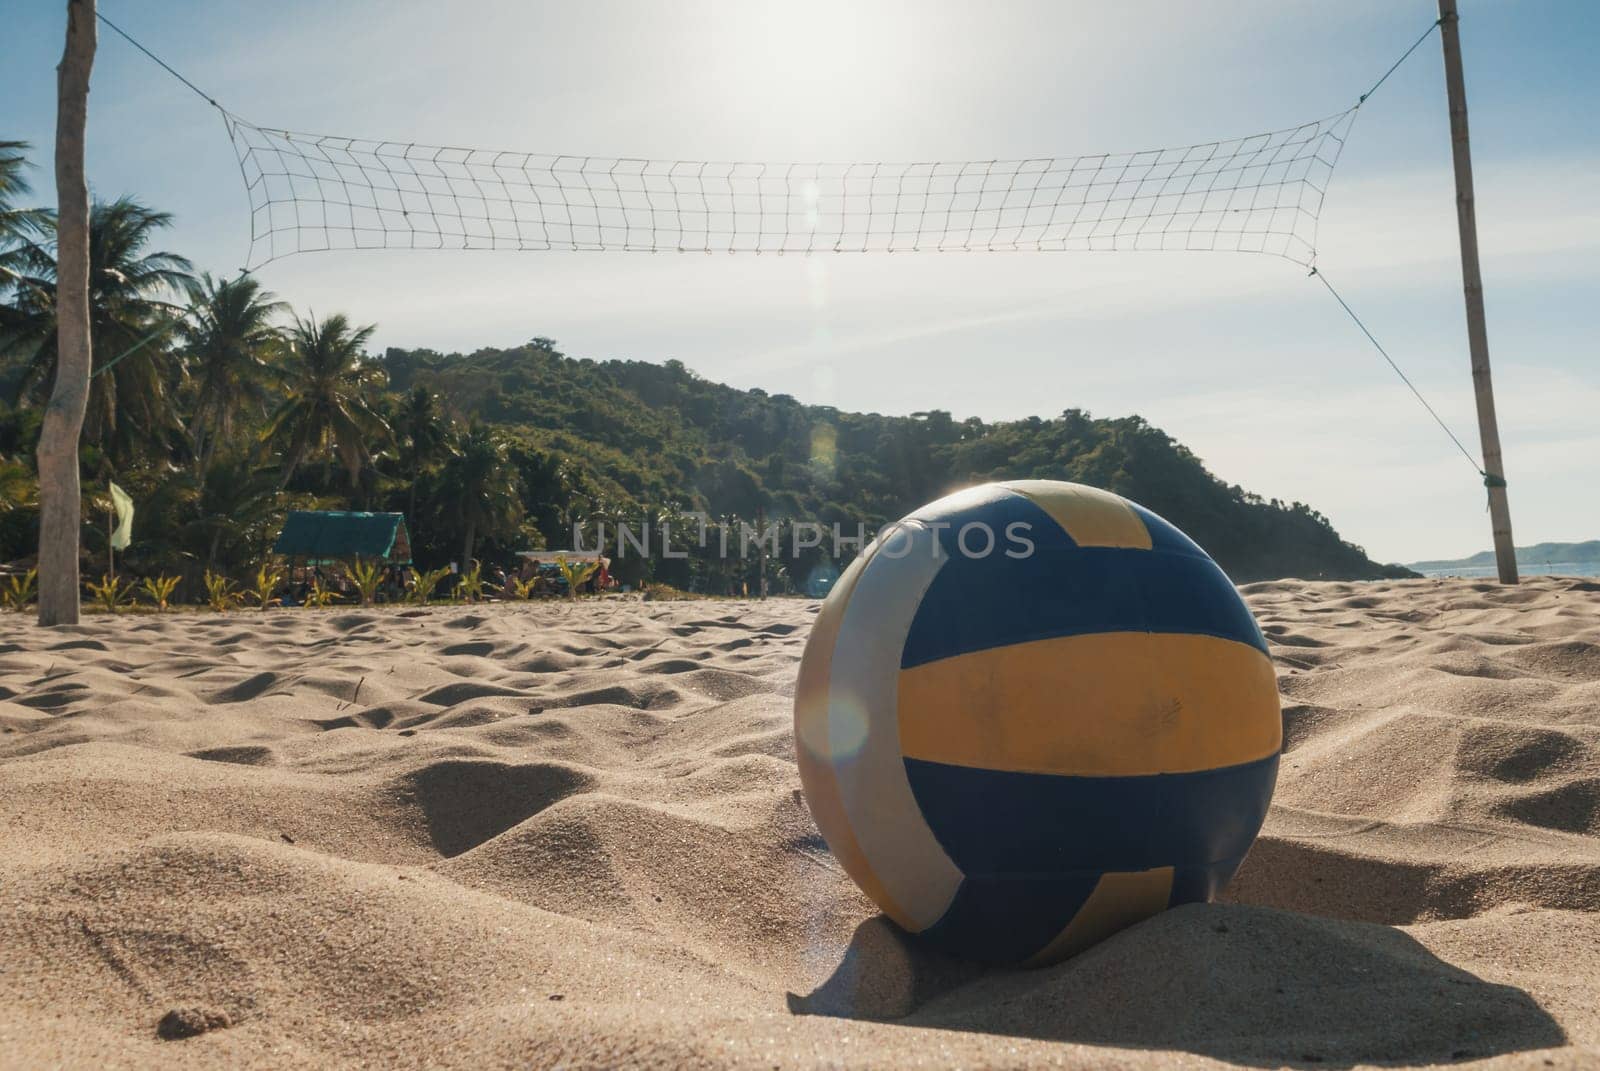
[332, 535]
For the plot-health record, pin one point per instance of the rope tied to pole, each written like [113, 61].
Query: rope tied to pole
[1488, 480]
[1434, 25]
[162, 63]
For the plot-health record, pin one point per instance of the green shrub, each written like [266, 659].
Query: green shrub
[575, 573]
[220, 593]
[159, 590]
[423, 584]
[471, 587]
[112, 593]
[20, 590]
[268, 577]
[368, 578]
[317, 595]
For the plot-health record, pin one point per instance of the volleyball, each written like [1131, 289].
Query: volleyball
[1031, 714]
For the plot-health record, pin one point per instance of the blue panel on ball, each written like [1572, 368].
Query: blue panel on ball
[995, 823]
[997, 515]
[1166, 536]
[975, 604]
[1009, 920]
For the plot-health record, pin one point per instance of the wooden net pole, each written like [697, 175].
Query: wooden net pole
[1505, 553]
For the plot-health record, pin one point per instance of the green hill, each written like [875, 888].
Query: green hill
[629, 438]
[1538, 554]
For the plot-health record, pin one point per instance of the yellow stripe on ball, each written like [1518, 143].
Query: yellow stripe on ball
[1105, 704]
[1119, 900]
[1092, 517]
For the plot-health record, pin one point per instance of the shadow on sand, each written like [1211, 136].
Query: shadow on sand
[1250, 985]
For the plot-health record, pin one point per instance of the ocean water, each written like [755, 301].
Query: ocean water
[1525, 568]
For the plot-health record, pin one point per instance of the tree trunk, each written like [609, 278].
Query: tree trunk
[201, 442]
[466, 550]
[59, 505]
[290, 463]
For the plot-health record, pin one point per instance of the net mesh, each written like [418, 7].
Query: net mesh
[1257, 194]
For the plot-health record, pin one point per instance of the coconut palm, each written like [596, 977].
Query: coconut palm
[19, 488]
[326, 410]
[19, 431]
[18, 226]
[13, 158]
[478, 488]
[236, 506]
[421, 434]
[131, 404]
[229, 341]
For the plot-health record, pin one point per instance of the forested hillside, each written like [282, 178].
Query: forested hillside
[633, 437]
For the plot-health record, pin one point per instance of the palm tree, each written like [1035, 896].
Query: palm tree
[13, 158]
[236, 504]
[131, 405]
[421, 432]
[479, 488]
[326, 409]
[18, 487]
[17, 225]
[229, 340]
[19, 431]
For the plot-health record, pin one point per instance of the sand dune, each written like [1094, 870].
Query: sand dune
[573, 834]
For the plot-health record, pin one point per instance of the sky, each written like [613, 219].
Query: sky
[1241, 357]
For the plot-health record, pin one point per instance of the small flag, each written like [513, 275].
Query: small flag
[124, 507]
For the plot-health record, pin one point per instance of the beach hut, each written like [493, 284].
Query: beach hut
[313, 539]
[322, 537]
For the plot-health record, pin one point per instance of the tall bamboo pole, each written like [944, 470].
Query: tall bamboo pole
[1505, 553]
[59, 503]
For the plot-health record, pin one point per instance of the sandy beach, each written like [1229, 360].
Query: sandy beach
[572, 834]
